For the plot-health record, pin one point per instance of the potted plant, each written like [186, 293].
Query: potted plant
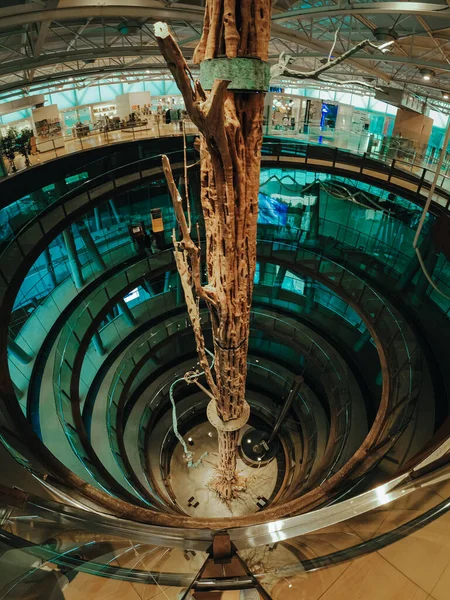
[23, 144]
[8, 148]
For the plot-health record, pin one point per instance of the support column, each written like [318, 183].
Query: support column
[280, 276]
[279, 281]
[17, 391]
[19, 353]
[309, 296]
[262, 271]
[115, 212]
[268, 274]
[91, 246]
[379, 378]
[98, 344]
[39, 199]
[423, 283]
[49, 266]
[148, 287]
[97, 219]
[61, 187]
[362, 341]
[167, 277]
[127, 314]
[413, 266]
[74, 262]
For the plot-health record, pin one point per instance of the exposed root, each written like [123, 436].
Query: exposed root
[228, 486]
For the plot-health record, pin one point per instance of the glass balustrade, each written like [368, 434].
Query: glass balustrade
[298, 557]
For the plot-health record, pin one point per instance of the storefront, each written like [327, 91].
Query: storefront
[18, 125]
[76, 116]
[303, 115]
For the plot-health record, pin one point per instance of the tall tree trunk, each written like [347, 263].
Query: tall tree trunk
[230, 155]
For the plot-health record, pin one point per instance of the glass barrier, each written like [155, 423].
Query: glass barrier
[385, 149]
[414, 182]
[390, 540]
[69, 343]
[402, 349]
[411, 181]
[71, 564]
[399, 409]
[94, 138]
[382, 553]
[313, 357]
[23, 214]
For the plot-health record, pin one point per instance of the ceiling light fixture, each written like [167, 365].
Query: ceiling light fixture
[427, 74]
[386, 36]
[445, 95]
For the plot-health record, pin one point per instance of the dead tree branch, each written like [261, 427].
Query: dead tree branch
[187, 258]
[281, 68]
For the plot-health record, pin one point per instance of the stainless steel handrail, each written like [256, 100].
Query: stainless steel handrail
[249, 536]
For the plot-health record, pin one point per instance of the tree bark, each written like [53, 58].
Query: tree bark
[230, 154]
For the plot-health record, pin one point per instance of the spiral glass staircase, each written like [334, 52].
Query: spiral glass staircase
[346, 449]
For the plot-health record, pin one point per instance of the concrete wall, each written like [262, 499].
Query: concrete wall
[413, 126]
[126, 102]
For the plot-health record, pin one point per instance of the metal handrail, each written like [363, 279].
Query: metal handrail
[246, 536]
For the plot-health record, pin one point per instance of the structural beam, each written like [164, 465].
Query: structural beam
[298, 382]
[81, 55]
[43, 30]
[364, 9]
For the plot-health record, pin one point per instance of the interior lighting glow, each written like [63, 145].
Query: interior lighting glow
[383, 495]
[386, 46]
[132, 295]
[427, 74]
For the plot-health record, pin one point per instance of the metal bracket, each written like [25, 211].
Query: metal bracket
[245, 74]
[222, 549]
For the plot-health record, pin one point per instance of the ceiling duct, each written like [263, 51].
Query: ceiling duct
[130, 28]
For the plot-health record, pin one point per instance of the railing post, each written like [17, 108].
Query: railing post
[115, 212]
[422, 179]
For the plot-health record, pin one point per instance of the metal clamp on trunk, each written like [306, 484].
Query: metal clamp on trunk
[245, 74]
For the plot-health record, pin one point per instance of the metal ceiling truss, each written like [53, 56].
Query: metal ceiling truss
[44, 40]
